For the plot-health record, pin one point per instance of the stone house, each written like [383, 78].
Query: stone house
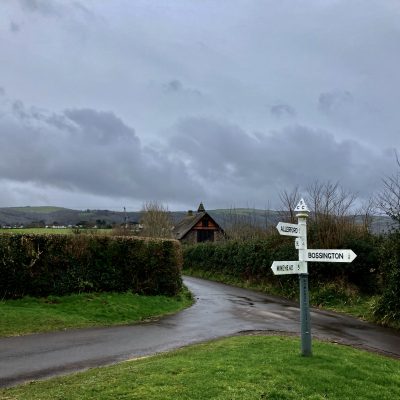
[198, 227]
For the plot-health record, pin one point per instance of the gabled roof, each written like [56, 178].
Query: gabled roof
[186, 224]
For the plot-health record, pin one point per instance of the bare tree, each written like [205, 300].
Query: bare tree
[331, 219]
[156, 220]
[366, 211]
[330, 199]
[245, 224]
[389, 199]
[289, 202]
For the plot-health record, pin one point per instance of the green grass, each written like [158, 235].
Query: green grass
[31, 315]
[251, 367]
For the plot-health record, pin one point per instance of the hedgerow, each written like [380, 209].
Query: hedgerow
[252, 260]
[246, 260]
[41, 265]
[387, 308]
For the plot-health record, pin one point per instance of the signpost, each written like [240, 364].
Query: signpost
[300, 267]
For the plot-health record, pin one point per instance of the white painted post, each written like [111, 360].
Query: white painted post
[305, 322]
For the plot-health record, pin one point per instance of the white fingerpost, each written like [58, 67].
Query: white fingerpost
[300, 267]
[302, 215]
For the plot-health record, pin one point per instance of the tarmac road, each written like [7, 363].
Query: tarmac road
[220, 310]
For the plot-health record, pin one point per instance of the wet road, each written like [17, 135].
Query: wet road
[220, 310]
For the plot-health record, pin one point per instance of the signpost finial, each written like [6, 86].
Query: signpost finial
[302, 209]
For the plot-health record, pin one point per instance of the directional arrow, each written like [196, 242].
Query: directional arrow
[289, 267]
[318, 255]
[288, 229]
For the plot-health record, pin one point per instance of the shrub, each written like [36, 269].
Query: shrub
[363, 272]
[41, 265]
[387, 309]
[242, 259]
[252, 259]
[334, 293]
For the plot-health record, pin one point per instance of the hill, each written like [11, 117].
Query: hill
[48, 215]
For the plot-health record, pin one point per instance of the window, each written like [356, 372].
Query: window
[205, 235]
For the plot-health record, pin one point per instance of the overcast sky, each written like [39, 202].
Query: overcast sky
[106, 104]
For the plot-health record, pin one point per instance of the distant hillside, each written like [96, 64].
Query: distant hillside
[37, 216]
[61, 216]
[38, 210]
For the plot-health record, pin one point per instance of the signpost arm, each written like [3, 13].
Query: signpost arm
[303, 286]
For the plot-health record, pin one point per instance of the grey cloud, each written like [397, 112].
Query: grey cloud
[175, 86]
[97, 153]
[33, 115]
[331, 102]
[60, 121]
[226, 156]
[44, 7]
[343, 80]
[2, 91]
[282, 111]
[89, 151]
[102, 127]
[14, 27]
[19, 111]
[55, 8]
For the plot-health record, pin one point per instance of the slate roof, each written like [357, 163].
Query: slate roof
[186, 224]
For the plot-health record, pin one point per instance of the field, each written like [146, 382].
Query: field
[48, 231]
[251, 367]
[53, 231]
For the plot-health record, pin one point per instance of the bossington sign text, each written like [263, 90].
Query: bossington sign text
[344, 256]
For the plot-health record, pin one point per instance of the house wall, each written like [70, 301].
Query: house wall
[218, 235]
[191, 237]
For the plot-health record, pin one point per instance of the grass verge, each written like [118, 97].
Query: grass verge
[33, 315]
[251, 367]
[323, 297]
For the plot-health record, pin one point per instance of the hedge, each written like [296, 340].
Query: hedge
[42, 265]
[244, 259]
[252, 259]
[387, 308]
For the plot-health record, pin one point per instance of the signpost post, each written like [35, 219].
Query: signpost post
[300, 267]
